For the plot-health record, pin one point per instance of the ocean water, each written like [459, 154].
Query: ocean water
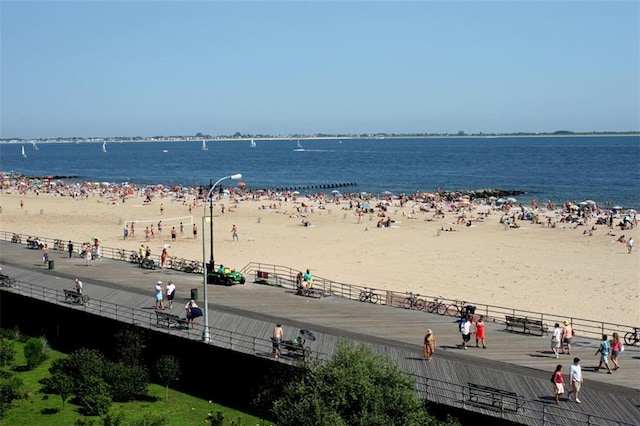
[601, 168]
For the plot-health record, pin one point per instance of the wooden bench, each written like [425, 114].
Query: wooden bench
[75, 298]
[496, 399]
[525, 325]
[165, 319]
[295, 349]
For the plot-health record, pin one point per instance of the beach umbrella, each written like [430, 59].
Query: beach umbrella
[335, 191]
[242, 184]
[512, 200]
[616, 208]
[632, 211]
[365, 206]
[296, 192]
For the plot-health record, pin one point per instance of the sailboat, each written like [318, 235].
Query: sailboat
[23, 153]
[252, 144]
[299, 147]
[35, 146]
[104, 147]
[204, 145]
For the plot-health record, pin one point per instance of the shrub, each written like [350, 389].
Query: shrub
[10, 390]
[80, 365]
[7, 352]
[127, 382]
[35, 352]
[94, 396]
[129, 345]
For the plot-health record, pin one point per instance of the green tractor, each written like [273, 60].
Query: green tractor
[225, 276]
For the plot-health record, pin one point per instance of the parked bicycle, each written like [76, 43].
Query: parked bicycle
[367, 295]
[437, 307]
[412, 301]
[632, 337]
[457, 308]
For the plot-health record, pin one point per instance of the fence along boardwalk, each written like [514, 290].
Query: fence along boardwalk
[513, 362]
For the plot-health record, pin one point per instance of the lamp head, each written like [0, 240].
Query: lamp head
[236, 176]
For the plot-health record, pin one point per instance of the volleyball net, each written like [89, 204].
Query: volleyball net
[166, 222]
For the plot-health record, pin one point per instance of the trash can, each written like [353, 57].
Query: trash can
[52, 264]
[194, 294]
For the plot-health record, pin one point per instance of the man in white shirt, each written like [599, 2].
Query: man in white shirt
[78, 286]
[575, 379]
[465, 330]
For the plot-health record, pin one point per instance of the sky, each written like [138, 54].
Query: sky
[150, 68]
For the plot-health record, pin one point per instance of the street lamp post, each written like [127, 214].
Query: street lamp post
[205, 270]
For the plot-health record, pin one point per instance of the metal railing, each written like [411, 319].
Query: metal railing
[284, 276]
[431, 390]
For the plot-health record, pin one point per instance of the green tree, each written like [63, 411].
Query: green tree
[94, 396]
[80, 365]
[168, 370]
[35, 352]
[7, 352]
[356, 387]
[60, 384]
[126, 382]
[10, 387]
[129, 344]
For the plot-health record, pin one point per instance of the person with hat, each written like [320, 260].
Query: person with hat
[78, 286]
[567, 334]
[429, 345]
[159, 296]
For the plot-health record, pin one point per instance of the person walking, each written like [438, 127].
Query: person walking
[616, 348]
[604, 350]
[558, 383]
[195, 231]
[234, 233]
[465, 330]
[276, 339]
[480, 334]
[567, 335]
[45, 255]
[556, 339]
[629, 245]
[88, 255]
[163, 258]
[429, 345]
[575, 379]
[70, 249]
[171, 293]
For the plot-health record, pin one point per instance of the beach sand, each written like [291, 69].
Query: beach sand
[560, 271]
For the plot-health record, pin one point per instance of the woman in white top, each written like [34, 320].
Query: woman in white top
[556, 339]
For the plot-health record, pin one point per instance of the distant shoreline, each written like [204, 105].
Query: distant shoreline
[276, 138]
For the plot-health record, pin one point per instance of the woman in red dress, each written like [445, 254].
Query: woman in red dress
[480, 332]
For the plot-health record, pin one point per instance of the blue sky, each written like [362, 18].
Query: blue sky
[177, 68]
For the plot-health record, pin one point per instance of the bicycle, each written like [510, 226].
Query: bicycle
[632, 337]
[437, 307]
[367, 295]
[457, 308]
[413, 302]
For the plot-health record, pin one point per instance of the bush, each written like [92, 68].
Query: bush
[129, 346]
[127, 382]
[80, 365]
[10, 390]
[35, 352]
[94, 397]
[7, 352]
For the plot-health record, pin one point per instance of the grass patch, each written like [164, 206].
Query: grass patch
[38, 408]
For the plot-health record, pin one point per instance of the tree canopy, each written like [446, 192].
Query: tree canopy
[356, 387]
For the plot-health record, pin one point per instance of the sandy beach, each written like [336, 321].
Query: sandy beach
[561, 270]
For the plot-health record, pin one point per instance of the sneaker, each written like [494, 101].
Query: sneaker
[578, 401]
[557, 356]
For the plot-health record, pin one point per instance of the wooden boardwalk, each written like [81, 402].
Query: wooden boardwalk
[513, 362]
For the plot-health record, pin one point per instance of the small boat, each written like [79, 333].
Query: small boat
[165, 150]
[35, 146]
[23, 153]
[104, 147]
[204, 145]
[252, 144]
[298, 146]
